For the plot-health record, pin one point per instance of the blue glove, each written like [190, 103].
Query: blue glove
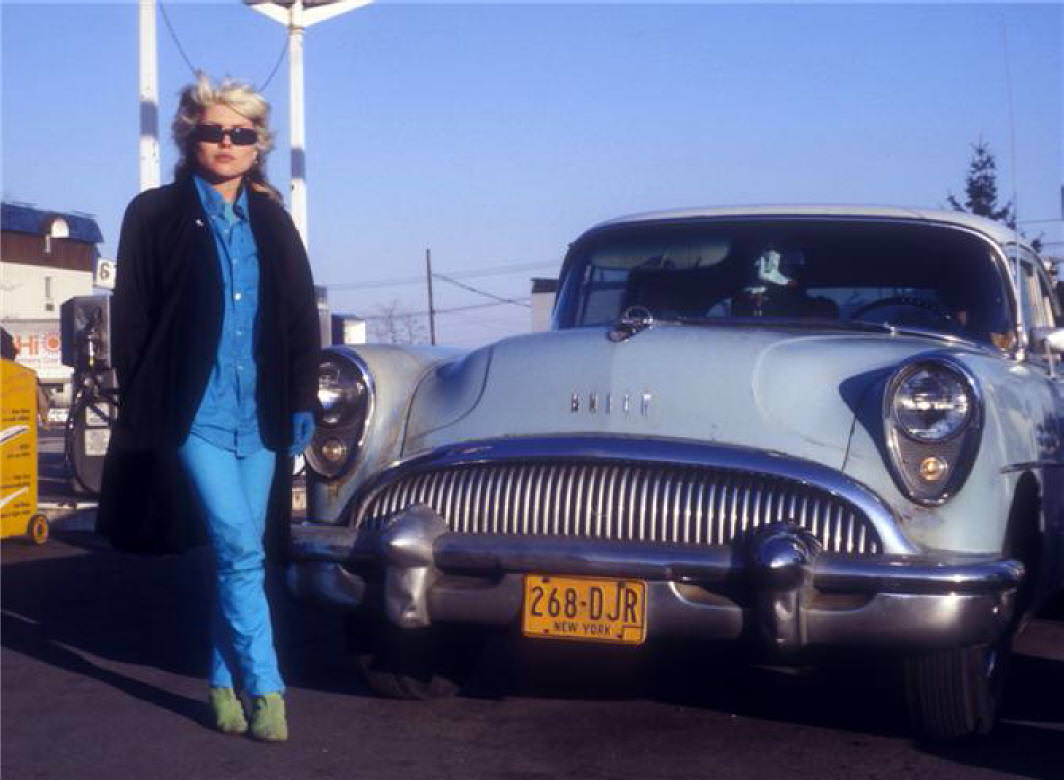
[302, 432]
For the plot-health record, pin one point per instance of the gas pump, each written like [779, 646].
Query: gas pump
[86, 335]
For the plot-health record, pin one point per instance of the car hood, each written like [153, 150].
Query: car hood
[772, 389]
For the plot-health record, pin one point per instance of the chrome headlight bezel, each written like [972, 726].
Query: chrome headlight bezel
[341, 391]
[950, 447]
[956, 402]
[346, 395]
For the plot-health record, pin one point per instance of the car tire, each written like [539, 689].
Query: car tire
[419, 664]
[954, 693]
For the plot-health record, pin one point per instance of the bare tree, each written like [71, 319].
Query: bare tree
[389, 325]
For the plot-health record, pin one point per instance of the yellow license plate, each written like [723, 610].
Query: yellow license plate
[585, 608]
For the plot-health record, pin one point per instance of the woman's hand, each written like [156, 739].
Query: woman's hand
[302, 432]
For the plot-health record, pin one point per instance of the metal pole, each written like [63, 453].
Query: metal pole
[296, 17]
[149, 98]
[432, 310]
[295, 118]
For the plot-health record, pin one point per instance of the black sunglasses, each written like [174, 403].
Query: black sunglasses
[239, 136]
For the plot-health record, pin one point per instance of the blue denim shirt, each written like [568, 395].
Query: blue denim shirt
[228, 414]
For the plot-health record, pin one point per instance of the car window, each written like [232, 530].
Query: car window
[1037, 302]
[905, 274]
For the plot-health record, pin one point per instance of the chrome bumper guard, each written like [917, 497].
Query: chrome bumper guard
[777, 586]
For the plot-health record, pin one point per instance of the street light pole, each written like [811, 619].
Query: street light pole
[149, 97]
[296, 124]
[297, 15]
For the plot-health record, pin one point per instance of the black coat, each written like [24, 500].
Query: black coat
[166, 320]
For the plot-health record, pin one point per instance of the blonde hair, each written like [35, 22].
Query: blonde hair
[242, 98]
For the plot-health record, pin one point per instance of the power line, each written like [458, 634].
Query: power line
[377, 283]
[276, 65]
[496, 270]
[177, 43]
[493, 296]
[191, 67]
[424, 313]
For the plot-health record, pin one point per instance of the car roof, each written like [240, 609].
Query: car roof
[996, 231]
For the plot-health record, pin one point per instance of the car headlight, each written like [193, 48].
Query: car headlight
[932, 403]
[933, 417]
[342, 392]
[344, 409]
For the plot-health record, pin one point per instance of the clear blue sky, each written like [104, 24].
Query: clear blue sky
[495, 133]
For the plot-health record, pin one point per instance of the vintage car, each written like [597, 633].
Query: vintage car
[798, 430]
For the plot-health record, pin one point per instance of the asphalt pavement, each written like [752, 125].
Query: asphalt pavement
[103, 656]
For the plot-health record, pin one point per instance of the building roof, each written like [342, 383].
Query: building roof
[544, 285]
[21, 218]
[996, 231]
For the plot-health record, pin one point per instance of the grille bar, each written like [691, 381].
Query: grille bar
[623, 502]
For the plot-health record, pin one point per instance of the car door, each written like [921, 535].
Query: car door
[1042, 310]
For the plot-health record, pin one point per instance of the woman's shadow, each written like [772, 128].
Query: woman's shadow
[78, 605]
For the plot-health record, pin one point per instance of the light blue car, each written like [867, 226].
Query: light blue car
[795, 428]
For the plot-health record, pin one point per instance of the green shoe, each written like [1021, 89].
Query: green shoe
[228, 711]
[267, 720]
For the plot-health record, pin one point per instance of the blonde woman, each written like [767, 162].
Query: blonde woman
[215, 340]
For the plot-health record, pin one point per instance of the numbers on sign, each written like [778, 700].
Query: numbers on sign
[554, 606]
[537, 596]
[594, 605]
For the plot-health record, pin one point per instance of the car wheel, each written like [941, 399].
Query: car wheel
[426, 663]
[38, 529]
[955, 693]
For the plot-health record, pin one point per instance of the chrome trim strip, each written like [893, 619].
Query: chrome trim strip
[674, 562]
[1030, 465]
[658, 561]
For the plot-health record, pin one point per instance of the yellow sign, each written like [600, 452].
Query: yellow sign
[18, 447]
[585, 608]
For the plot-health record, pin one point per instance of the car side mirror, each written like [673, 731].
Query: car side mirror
[1048, 339]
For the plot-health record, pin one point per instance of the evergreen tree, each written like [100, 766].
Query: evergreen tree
[981, 188]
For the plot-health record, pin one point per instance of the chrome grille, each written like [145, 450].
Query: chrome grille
[622, 501]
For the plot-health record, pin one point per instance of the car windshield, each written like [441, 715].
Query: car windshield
[908, 275]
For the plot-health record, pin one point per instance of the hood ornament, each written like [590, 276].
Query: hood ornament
[632, 320]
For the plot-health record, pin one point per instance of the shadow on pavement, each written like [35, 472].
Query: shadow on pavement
[861, 699]
[79, 606]
[1029, 740]
[27, 637]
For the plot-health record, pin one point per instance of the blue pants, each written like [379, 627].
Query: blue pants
[234, 492]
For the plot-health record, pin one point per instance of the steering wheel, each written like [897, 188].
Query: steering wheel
[904, 300]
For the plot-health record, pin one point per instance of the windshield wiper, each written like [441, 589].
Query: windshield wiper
[860, 326]
[636, 319]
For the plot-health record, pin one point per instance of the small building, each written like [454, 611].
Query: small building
[543, 294]
[348, 329]
[46, 257]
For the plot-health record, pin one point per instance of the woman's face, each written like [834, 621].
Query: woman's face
[224, 160]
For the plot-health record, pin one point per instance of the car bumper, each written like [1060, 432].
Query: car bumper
[777, 588]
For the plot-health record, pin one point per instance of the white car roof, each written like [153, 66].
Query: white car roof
[996, 231]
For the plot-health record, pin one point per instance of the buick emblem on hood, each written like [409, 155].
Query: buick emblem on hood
[606, 404]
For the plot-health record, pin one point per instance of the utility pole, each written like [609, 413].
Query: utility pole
[297, 17]
[149, 98]
[432, 310]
